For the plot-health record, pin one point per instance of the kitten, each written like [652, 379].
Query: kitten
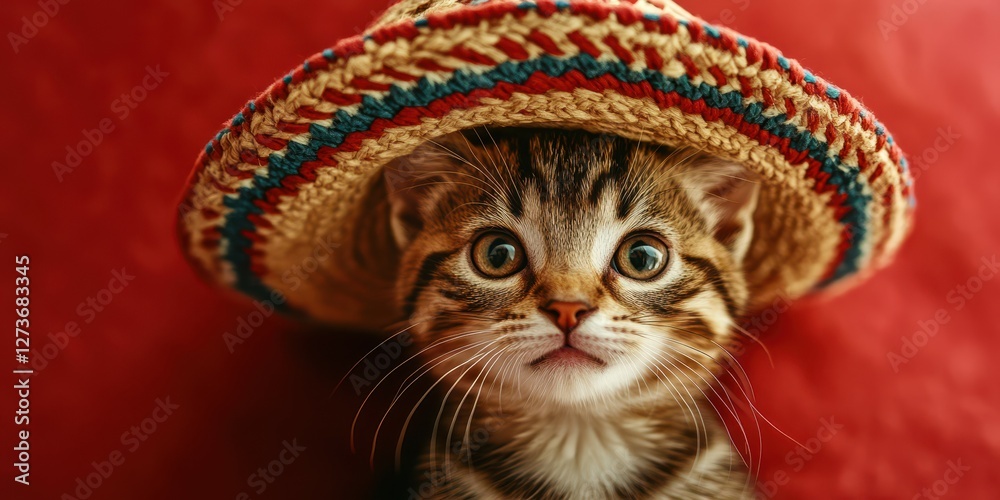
[572, 292]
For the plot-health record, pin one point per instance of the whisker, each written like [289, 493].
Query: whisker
[406, 424]
[445, 400]
[435, 343]
[695, 419]
[756, 340]
[369, 353]
[730, 358]
[730, 407]
[472, 412]
[706, 369]
[398, 394]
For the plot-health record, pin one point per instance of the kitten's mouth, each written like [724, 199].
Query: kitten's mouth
[567, 356]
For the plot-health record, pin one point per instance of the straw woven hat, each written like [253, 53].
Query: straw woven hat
[278, 199]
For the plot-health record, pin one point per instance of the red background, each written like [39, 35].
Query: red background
[162, 335]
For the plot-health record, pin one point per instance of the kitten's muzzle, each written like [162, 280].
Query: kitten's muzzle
[567, 315]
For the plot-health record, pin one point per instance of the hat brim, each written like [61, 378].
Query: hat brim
[292, 174]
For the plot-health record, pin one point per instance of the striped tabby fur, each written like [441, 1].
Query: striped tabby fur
[629, 422]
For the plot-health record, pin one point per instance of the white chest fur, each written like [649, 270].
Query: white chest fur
[584, 452]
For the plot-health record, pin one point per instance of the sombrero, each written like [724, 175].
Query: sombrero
[278, 195]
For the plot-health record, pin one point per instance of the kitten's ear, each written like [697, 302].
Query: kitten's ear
[410, 183]
[726, 194]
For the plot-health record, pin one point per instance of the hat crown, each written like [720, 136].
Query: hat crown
[414, 9]
[297, 165]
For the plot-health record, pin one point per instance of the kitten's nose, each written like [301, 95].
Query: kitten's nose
[566, 315]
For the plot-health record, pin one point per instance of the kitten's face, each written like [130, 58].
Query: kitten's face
[566, 266]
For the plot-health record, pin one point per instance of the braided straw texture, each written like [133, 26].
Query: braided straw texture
[278, 198]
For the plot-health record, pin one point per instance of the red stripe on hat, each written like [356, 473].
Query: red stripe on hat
[545, 42]
[620, 52]
[513, 49]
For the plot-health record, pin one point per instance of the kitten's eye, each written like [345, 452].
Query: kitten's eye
[498, 255]
[641, 257]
